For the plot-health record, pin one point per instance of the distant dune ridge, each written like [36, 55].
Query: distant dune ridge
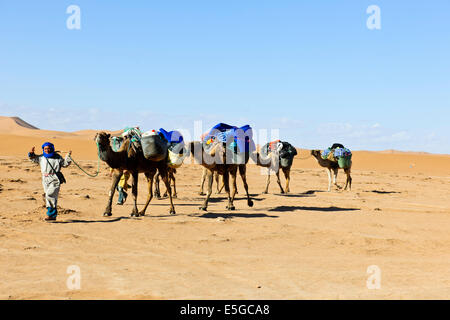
[14, 124]
[24, 124]
[17, 126]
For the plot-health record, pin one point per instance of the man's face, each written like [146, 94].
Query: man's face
[47, 149]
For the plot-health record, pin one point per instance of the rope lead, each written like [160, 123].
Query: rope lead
[98, 164]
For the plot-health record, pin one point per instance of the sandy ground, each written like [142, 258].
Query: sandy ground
[309, 244]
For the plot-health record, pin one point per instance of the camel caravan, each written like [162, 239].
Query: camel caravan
[224, 151]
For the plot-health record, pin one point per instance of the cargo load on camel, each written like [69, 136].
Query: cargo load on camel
[286, 152]
[154, 146]
[238, 140]
[176, 148]
[338, 153]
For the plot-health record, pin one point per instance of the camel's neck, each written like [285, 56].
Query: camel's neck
[265, 164]
[322, 162]
[114, 159]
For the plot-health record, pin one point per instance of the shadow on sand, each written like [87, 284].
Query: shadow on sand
[384, 192]
[105, 220]
[308, 193]
[210, 215]
[323, 209]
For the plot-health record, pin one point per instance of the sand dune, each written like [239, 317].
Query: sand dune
[309, 244]
[15, 126]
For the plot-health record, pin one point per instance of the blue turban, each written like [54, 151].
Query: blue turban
[52, 149]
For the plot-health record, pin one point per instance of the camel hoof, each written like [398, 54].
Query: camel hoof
[265, 192]
[231, 208]
[202, 208]
[175, 196]
[107, 214]
[250, 203]
[140, 214]
[172, 212]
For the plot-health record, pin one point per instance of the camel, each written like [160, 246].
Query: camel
[223, 168]
[272, 165]
[333, 166]
[126, 158]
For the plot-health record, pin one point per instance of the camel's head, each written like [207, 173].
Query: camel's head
[102, 138]
[316, 153]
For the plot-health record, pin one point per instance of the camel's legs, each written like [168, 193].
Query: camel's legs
[242, 173]
[134, 191]
[209, 179]
[233, 172]
[329, 178]
[268, 181]
[169, 173]
[279, 181]
[165, 178]
[335, 173]
[157, 190]
[204, 173]
[172, 177]
[117, 174]
[149, 176]
[349, 179]
[223, 185]
[226, 181]
[287, 173]
[216, 177]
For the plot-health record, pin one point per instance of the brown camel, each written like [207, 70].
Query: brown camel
[208, 161]
[333, 166]
[126, 158]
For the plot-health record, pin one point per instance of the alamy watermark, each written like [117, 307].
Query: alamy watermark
[73, 22]
[73, 282]
[374, 20]
[230, 146]
[374, 280]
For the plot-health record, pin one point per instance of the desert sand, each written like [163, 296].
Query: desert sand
[309, 244]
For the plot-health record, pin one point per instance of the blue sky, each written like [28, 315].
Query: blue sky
[311, 69]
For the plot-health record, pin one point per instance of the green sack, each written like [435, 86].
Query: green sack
[345, 162]
[286, 162]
